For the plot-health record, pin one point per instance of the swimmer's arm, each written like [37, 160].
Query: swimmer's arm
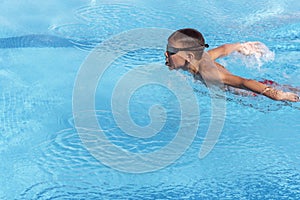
[224, 50]
[259, 88]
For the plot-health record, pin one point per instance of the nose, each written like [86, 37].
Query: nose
[166, 54]
[167, 58]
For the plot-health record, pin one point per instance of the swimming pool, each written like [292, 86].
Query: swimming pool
[45, 49]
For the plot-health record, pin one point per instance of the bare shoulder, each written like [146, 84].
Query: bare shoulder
[210, 72]
[214, 53]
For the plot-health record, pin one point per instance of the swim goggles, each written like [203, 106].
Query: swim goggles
[173, 50]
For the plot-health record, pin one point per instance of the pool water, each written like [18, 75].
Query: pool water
[43, 47]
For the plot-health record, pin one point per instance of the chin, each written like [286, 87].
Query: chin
[170, 67]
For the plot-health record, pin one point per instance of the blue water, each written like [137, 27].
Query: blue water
[43, 46]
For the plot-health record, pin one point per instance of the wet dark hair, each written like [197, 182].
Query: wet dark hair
[189, 37]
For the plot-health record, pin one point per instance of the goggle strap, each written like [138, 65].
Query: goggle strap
[194, 48]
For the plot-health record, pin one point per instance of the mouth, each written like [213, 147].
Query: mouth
[169, 66]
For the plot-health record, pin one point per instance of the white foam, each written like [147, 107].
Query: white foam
[255, 54]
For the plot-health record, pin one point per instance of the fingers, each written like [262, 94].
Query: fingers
[296, 98]
[256, 49]
[250, 48]
[253, 43]
[292, 97]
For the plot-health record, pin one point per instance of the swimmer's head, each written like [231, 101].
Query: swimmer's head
[183, 46]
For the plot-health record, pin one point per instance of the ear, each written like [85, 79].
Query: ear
[190, 57]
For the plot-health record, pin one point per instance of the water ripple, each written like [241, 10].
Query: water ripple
[34, 40]
[97, 23]
[64, 152]
[117, 15]
[52, 190]
[20, 106]
[247, 186]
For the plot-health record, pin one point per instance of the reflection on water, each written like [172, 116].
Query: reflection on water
[42, 156]
[96, 23]
[72, 169]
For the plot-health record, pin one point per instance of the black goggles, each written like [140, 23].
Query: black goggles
[173, 50]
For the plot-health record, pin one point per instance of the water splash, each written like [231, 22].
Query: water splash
[262, 14]
[255, 54]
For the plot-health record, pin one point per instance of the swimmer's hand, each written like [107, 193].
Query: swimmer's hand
[288, 96]
[280, 95]
[252, 48]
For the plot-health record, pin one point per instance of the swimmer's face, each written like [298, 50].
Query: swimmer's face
[175, 59]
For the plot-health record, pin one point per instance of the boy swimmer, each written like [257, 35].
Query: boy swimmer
[185, 50]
